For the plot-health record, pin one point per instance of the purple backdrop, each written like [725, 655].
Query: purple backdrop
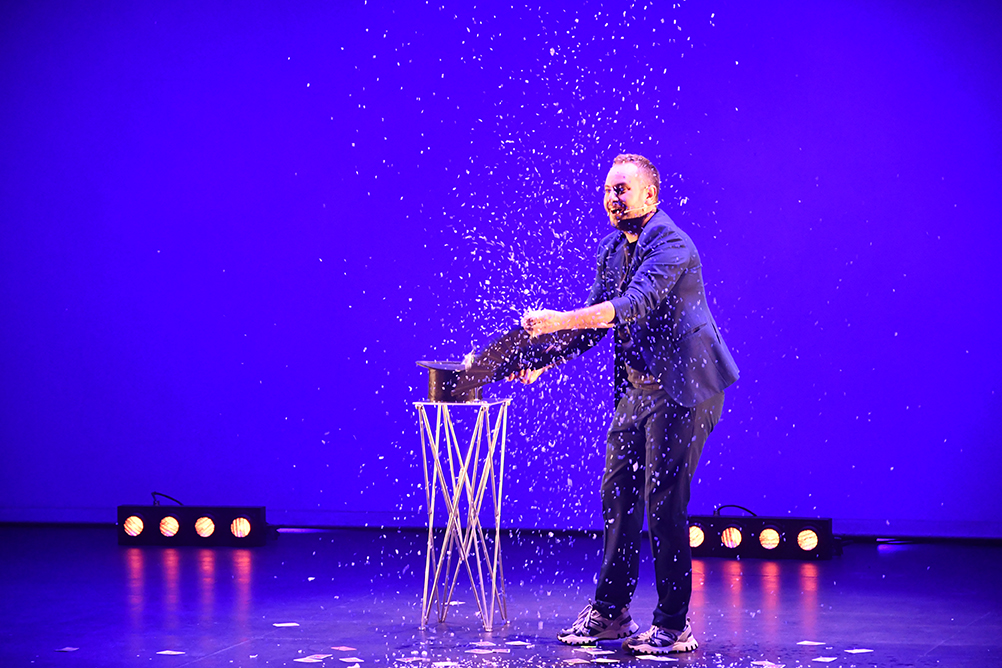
[229, 231]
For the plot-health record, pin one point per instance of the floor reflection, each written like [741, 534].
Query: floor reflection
[135, 595]
[771, 586]
[809, 599]
[242, 568]
[180, 587]
[756, 595]
[734, 589]
[206, 591]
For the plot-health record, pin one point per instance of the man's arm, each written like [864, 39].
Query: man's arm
[597, 316]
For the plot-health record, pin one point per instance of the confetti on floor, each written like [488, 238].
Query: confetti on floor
[170, 652]
[604, 660]
[444, 664]
[351, 659]
[858, 651]
[576, 661]
[594, 651]
[809, 642]
[482, 643]
[825, 659]
[307, 659]
[285, 624]
[656, 657]
[67, 649]
[342, 648]
[519, 643]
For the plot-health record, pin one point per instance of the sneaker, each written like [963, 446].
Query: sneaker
[657, 640]
[591, 625]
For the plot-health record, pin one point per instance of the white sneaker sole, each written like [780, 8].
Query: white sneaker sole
[678, 648]
[624, 632]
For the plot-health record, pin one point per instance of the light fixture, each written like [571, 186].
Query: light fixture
[169, 526]
[807, 540]
[133, 525]
[192, 525]
[204, 526]
[769, 538]
[240, 527]
[731, 537]
[761, 537]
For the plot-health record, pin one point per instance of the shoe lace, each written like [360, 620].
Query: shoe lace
[585, 613]
[653, 632]
[588, 618]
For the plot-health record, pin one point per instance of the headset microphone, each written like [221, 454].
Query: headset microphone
[621, 212]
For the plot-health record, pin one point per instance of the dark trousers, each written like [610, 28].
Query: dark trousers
[653, 448]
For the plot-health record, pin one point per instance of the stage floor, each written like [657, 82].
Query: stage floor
[356, 595]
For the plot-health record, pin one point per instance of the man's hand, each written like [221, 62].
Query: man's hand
[543, 321]
[528, 376]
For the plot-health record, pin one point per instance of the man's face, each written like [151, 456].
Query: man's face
[627, 193]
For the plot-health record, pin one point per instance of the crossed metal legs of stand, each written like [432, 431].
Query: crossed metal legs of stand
[462, 477]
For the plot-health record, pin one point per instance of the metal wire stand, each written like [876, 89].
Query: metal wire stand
[463, 545]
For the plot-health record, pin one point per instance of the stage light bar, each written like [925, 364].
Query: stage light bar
[761, 537]
[209, 526]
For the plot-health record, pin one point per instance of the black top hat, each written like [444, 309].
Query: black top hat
[443, 381]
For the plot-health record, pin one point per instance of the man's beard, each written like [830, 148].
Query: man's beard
[629, 225]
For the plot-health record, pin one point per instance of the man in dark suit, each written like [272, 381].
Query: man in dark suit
[672, 367]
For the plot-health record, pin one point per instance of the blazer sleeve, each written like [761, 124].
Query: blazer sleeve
[664, 258]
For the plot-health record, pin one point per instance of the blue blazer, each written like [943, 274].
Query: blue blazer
[659, 297]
